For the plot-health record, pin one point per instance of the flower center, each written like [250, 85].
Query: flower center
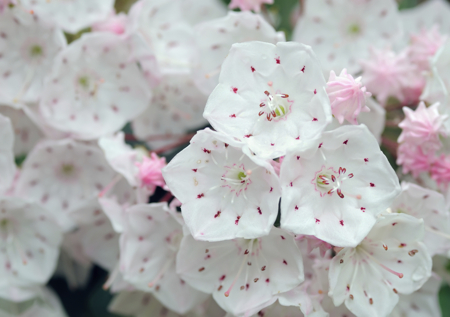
[276, 107]
[84, 82]
[354, 29]
[327, 181]
[236, 178]
[36, 51]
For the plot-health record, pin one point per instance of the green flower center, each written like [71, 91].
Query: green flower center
[354, 29]
[84, 82]
[241, 175]
[67, 169]
[36, 51]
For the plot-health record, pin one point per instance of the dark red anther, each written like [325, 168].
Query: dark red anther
[284, 262]
[217, 214]
[259, 210]
[320, 145]
[350, 175]
[261, 113]
[314, 119]
[303, 69]
[340, 194]
[207, 151]
[317, 220]
[372, 185]
[267, 93]
[246, 251]
[222, 278]
[363, 209]
[262, 104]
[283, 238]
[200, 195]
[333, 178]
[296, 207]
[252, 68]
[233, 116]
[194, 169]
[345, 142]
[236, 222]
[341, 222]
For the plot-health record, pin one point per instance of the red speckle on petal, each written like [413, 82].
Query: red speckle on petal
[235, 90]
[277, 59]
[394, 223]
[315, 91]
[217, 214]
[200, 195]
[233, 116]
[314, 119]
[141, 238]
[284, 262]
[271, 189]
[366, 160]
[345, 142]
[267, 280]
[222, 278]
[236, 222]
[363, 209]
[207, 151]
[248, 135]
[320, 145]
[372, 185]
[283, 238]
[296, 207]
[303, 69]
[194, 169]
[350, 175]
[297, 138]
[317, 220]
[259, 210]
[298, 157]
[341, 222]
[253, 69]
[291, 184]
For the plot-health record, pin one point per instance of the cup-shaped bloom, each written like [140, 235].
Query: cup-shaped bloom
[333, 187]
[225, 191]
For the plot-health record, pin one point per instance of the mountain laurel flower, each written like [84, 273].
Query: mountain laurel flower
[390, 260]
[225, 191]
[247, 5]
[413, 160]
[271, 97]
[114, 23]
[333, 187]
[243, 275]
[423, 127]
[387, 74]
[424, 45]
[440, 171]
[148, 247]
[347, 96]
[430, 206]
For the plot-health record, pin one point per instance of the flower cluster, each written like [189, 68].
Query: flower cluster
[281, 204]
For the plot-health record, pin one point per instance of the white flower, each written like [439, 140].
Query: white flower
[390, 260]
[428, 205]
[214, 39]
[38, 302]
[28, 47]
[62, 176]
[167, 29]
[270, 96]
[29, 243]
[341, 31]
[176, 107]
[72, 16]
[26, 133]
[93, 89]
[423, 302]
[244, 275]
[148, 246]
[333, 187]
[225, 191]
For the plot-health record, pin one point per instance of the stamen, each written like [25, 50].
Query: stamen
[439, 233]
[108, 187]
[161, 273]
[400, 275]
[111, 278]
[244, 260]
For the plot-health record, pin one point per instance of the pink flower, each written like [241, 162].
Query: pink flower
[150, 171]
[424, 45]
[114, 23]
[247, 5]
[314, 243]
[440, 170]
[387, 74]
[347, 96]
[422, 127]
[413, 159]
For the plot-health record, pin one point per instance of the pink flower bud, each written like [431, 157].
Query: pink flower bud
[424, 45]
[150, 172]
[114, 23]
[347, 96]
